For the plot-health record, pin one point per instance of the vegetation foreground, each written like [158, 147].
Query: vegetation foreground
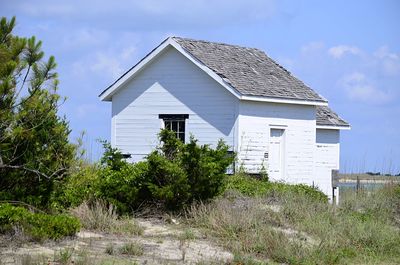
[277, 225]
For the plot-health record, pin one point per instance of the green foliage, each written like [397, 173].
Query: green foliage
[173, 175]
[38, 226]
[124, 187]
[182, 173]
[34, 146]
[112, 157]
[253, 187]
[247, 185]
[81, 185]
[205, 168]
[167, 181]
[312, 193]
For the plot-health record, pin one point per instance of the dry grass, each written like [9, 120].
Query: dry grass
[363, 230]
[73, 257]
[100, 216]
[132, 249]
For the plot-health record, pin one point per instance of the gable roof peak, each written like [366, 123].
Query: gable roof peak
[248, 70]
[248, 73]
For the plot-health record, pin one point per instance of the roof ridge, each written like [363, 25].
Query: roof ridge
[237, 46]
[216, 42]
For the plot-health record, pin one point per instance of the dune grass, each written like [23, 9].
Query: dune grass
[102, 217]
[293, 228]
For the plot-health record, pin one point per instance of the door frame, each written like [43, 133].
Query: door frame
[283, 146]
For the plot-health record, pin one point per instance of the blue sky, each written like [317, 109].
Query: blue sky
[348, 51]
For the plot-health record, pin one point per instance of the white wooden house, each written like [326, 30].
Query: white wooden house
[213, 91]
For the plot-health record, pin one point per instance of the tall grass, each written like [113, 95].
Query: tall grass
[102, 217]
[293, 228]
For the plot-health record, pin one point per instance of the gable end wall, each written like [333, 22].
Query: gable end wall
[171, 84]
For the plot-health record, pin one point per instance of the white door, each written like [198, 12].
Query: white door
[276, 154]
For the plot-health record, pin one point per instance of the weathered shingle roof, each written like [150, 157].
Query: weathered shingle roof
[325, 116]
[248, 70]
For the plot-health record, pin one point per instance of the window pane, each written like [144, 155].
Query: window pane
[181, 136]
[182, 126]
[174, 126]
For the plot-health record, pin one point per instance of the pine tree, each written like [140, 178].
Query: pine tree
[34, 148]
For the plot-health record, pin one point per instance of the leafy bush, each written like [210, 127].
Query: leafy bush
[167, 181]
[123, 187]
[173, 175]
[179, 173]
[254, 187]
[38, 226]
[247, 185]
[312, 193]
[82, 185]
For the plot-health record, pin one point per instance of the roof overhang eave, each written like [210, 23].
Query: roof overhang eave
[334, 127]
[284, 100]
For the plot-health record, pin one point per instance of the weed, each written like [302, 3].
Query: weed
[132, 249]
[110, 250]
[188, 234]
[64, 256]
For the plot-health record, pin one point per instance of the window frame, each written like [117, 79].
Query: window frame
[171, 119]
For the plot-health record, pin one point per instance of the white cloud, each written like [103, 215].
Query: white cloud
[83, 38]
[312, 47]
[384, 53]
[111, 63]
[389, 61]
[106, 57]
[128, 52]
[359, 88]
[339, 51]
[107, 64]
[53, 8]
[136, 14]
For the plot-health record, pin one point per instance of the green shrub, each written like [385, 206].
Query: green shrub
[179, 174]
[38, 226]
[250, 186]
[173, 175]
[205, 168]
[300, 189]
[123, 187]
[82, 185]
[247, 185]
[167, 181]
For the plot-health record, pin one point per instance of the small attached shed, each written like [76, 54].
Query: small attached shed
[220, 91]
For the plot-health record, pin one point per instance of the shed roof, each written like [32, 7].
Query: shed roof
[326, 117]
[249, 70]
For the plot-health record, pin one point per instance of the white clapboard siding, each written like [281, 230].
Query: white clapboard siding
[171, 84]
[255, 121]
[327, 158]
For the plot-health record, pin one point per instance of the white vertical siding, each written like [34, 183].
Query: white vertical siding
[171, 84]
[327, 158]
[255, 121]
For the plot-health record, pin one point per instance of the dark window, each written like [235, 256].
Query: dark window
[176, 123]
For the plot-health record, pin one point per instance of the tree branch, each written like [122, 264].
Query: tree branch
[37, 172]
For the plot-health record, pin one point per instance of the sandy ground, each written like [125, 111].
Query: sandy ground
[161, 243]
